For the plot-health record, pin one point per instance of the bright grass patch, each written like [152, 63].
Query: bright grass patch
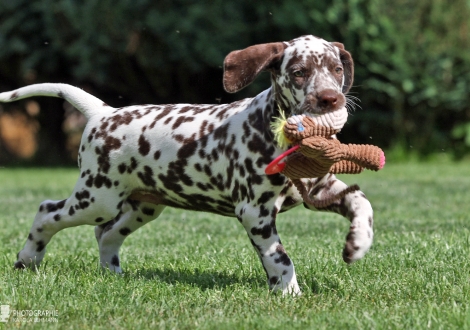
[191, 270]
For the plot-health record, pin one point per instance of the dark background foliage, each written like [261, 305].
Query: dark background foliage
[412, 60]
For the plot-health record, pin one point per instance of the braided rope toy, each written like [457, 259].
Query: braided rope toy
[315, 153]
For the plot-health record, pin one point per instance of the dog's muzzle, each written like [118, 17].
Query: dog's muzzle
[334, 119]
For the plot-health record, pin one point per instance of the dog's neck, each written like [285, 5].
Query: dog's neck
[271, 110]
[272, 106]
[281, 103]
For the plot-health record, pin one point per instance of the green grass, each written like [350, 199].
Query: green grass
[191, 270]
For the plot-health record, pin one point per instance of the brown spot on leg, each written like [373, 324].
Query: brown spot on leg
[115, 261]
[125, 231]
[20, 265]
[274, 280]
[41, 246]
[148, 211]
[283, 257]
[349, 248]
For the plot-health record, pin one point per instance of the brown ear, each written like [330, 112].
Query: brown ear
[241, 67]
[348, 66]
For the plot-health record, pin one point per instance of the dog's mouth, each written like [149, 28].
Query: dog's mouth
[333, 119]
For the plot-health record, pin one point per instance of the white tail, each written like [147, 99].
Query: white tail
[86, 103]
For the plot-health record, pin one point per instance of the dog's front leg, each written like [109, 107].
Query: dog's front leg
[355, 207]
[260, 224]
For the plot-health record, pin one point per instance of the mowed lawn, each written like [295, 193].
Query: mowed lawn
[191, 270]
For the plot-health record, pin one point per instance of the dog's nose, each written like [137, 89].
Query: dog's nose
[327, 99]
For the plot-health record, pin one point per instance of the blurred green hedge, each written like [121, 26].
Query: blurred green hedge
[412, 58]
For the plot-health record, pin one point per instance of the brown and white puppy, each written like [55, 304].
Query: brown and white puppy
[135, 161]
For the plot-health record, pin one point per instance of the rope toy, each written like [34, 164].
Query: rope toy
[315, 153]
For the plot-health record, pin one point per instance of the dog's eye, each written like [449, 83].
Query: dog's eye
[299, 73]
[339, 70]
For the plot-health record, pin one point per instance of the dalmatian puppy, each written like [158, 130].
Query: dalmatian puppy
[137, 160]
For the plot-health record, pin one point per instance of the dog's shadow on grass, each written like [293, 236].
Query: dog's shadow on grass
[205, 280]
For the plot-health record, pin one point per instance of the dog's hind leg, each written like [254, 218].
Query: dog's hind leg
[111, 235]
[85, 206]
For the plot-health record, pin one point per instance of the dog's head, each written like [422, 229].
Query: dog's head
[310, 75]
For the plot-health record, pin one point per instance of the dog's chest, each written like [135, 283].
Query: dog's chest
[200, 157]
